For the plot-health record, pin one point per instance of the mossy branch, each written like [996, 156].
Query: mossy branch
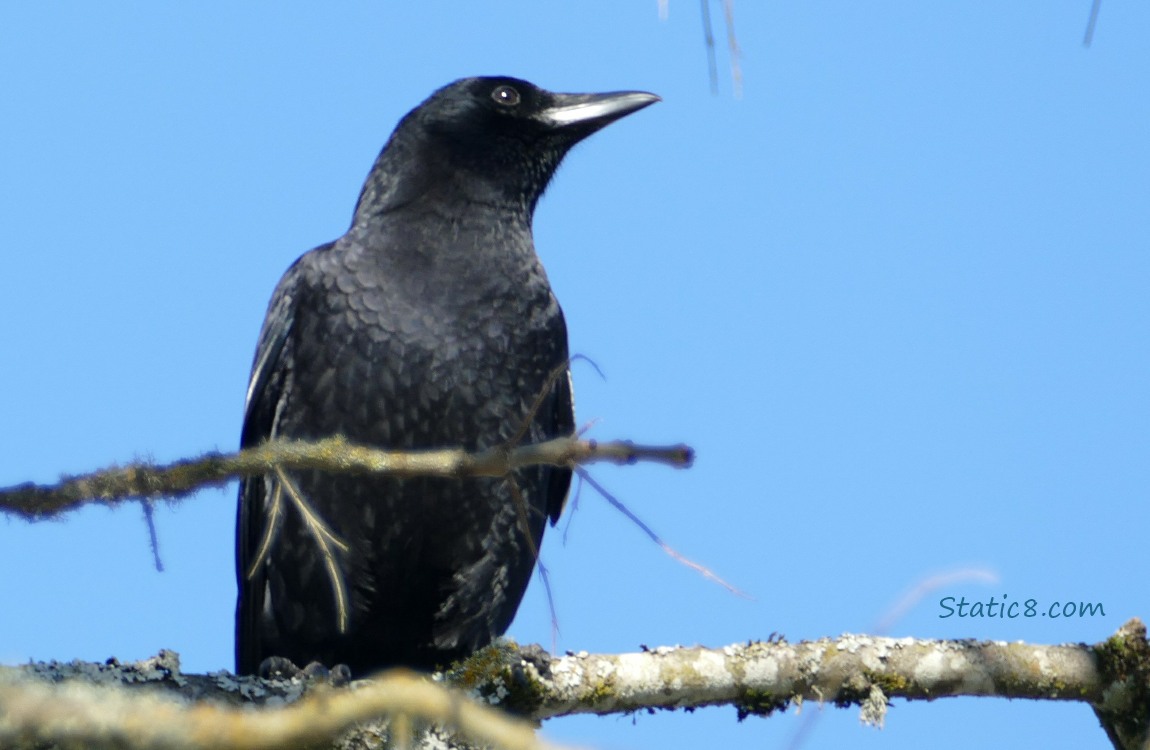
[760, 678]
[148, 480]
[44, 703]
[78, 713]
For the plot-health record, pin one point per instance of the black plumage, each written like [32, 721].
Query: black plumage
[429, 324]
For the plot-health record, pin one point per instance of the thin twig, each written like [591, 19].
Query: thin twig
[325, 539]
[521, 511]
[574, 506]
[709, 43]
[153, 536]
[545, 576]
[274, 516]
[1090, 23]
[674, 553]
[563, 370]
[733, 47]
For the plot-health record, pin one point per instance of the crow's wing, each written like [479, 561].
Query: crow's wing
[270, 380]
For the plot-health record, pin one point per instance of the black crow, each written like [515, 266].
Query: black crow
[429, 324]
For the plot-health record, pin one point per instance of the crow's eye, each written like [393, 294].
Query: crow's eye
[505, 95]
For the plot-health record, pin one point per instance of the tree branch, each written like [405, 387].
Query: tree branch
[147, 480]
[79, 713]
[757, 678]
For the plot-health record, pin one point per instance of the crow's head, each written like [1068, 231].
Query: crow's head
[496, 138]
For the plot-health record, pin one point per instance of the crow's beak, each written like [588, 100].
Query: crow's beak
[592, 111]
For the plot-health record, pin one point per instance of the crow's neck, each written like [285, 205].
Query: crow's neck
[411, 177]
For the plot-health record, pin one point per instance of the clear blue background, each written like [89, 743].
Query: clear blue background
[896, 295]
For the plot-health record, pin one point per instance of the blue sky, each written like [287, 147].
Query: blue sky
[895, 295]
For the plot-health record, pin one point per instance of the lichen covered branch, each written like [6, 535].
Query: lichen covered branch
[178, 479]
[756, 678]
[93, 712]
[761, 677]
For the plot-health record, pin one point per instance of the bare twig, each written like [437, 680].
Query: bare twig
[562, 371]
[1091, 22]
[709, 45]
[181, 478]
[545, 577]
[153, 538]
[327, 541]
[523, 521]
[668, 549]
[273, 517]
[733, 47]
